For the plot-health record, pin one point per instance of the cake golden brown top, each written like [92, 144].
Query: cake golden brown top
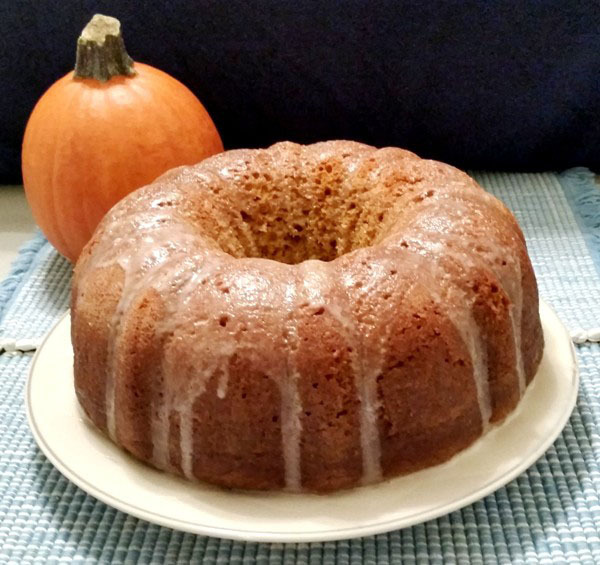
[236, 253]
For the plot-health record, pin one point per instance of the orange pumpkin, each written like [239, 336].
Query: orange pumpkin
[102, 131]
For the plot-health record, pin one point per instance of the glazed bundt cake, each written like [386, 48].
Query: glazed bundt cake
[306, 318]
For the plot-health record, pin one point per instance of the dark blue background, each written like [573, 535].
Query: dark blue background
[480, 84]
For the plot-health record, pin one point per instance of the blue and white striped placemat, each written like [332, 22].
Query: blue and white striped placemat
[550, 514]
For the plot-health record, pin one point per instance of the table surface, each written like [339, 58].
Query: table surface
[16, 225]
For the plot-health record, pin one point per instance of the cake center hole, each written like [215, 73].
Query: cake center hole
[312, 217]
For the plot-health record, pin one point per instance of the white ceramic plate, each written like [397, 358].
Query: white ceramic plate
[106, 472]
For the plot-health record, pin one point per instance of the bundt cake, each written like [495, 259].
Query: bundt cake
[306, 318]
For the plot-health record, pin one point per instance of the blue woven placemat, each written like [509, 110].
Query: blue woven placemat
[550, 514]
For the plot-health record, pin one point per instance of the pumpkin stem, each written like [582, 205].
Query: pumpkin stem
[101, 52]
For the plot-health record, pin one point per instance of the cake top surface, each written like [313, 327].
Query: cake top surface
[290, 203]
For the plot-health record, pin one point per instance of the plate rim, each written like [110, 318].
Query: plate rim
[320, 535]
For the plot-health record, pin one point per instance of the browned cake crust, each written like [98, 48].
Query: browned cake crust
[304, 317]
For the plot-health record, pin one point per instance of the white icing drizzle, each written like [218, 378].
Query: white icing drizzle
[511, 282]
[223, 380]
[291, 430]
[365, 377]
[464, 321]
[153, 259]
[160, 422]
[369, 432]
[366, 387]
[459, 309]
[516, 317]
[162, 256]
[159, 430]
[468, 329]
[291, 405]
[513, 287]
[215, 358]
[186, 435]
[471, 336]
